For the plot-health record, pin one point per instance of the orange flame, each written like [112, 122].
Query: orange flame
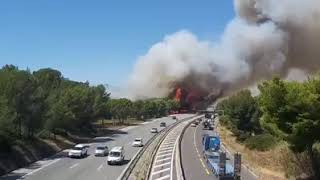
[178, 94]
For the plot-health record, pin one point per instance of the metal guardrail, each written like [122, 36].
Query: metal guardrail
[162, 139]
[128, 170]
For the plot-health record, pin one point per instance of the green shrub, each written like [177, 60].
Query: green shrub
[243, 136]
[262, 142]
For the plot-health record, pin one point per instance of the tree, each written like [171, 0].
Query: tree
[243, 113]
[138, 109]
[18, 87]
[100, 101]
[120, 109]
[273, 103]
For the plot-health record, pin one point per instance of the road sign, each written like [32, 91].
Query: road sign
[237, 165]
[222, 164]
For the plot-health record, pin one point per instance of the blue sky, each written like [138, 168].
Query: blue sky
[99, 40]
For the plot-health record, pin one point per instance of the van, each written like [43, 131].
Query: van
[116, 155]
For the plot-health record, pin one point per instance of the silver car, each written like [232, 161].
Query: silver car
[101, 150]
[137, 142]
[154, 130]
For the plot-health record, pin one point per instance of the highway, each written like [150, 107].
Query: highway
[165, 165]
[60, 167]
[194, 166]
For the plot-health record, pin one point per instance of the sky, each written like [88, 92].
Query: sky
[100, 40]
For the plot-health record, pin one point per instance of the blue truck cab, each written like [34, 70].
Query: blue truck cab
[211, 153]
[210, 143]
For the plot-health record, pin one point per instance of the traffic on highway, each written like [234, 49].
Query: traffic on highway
[191, 149]
[204, 157]
[96, 160]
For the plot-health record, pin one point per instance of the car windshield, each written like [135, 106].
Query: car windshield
[115, 154]
[77, 148]
[100, 148]
[137, 140]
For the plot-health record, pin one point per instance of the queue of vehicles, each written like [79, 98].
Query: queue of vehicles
[215, 157]
[115, 156]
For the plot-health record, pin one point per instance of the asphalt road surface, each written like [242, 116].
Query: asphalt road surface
[164, 166]
[61, 167]
[194, 166]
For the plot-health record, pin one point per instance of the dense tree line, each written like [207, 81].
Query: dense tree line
[241, 114]
[284, 110]
[121, 109]
[43, 100]
[33, 101]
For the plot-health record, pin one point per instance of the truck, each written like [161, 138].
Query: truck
[207, 125]
[216, 159]
[217, 165]
[210, 142]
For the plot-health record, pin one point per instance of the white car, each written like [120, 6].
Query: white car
[79, 150]
[193, 124]
[116, 155]
[154, 130]
[101, 150]
[137, 142]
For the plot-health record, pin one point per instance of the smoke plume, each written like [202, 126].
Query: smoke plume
[266, 37]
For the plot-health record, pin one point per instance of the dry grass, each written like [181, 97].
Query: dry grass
[276, 164]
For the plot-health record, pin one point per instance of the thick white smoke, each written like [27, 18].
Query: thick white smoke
[265, 37]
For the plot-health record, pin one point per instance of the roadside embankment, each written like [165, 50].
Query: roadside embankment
[25, 152]
[279, 163]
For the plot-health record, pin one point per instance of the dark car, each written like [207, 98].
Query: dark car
[174, 117]
[205, 125]
[163, 124]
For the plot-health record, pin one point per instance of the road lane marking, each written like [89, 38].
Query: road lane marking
[73, 166]
[165, 159]
[200, 158]
[46, 165]
[100, 167]
[167, 148]
[160, 171]
[164, 152]
[172, 158]
[164, 164]
[164, 155]
[168, 145]
[162, 178]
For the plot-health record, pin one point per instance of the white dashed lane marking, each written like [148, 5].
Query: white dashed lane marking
[162, 167]
[100, 167]
[75, 165]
